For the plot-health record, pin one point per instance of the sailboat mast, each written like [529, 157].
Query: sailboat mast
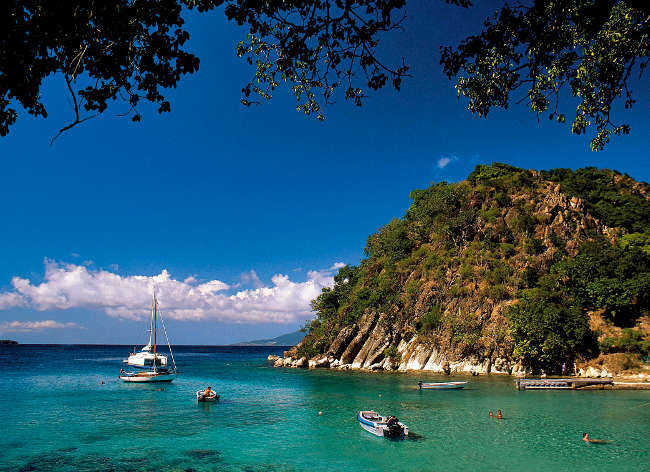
[155, 329]
[151, 325]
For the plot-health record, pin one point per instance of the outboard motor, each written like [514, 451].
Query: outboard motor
[394, 428]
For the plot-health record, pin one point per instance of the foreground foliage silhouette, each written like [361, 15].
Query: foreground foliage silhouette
[593, 50]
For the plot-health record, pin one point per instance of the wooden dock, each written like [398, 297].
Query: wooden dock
[562, 384]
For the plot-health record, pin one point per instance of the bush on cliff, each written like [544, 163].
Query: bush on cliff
[630, 340]
[430, 320]
[609, 277]
[548, 330]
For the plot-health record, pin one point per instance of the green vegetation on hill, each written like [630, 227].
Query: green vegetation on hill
[503, 264]
[616, 200]
[608, 277]
[548, 328]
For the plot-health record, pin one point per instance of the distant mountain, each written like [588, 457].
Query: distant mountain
[290, 339]
[8, 341]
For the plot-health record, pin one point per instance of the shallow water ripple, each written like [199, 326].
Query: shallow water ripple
[58, 416]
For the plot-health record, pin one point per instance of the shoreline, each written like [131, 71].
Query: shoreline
[620, 382]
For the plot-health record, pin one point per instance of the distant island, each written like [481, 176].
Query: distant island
[8, 341]
[290, 339]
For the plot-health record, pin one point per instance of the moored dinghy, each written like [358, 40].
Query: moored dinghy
[202, 397]
[441, 385]
[383, 426]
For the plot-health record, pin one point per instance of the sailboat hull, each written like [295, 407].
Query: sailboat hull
[147, 377]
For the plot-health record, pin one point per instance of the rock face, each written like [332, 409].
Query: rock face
[417, 357]
[434, 291]
[365, 326]
[593, 372]
[366, 350]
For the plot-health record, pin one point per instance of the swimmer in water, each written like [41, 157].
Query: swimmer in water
[585, 438]
[491, 414]
[499, 415]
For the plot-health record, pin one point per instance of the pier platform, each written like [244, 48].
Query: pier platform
[562, 384]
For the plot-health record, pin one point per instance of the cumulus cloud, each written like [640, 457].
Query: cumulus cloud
[445, 161]
[10, 300]
[251, 278]
[338, 265]
[24, 326]
[66, 286]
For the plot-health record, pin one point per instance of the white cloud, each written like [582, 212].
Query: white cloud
[68, 286]
[445, 161]
[338, 265]
[252, 279]
[23, 326]
[10, 300]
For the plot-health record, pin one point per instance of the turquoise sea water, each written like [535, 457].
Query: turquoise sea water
[55, 415]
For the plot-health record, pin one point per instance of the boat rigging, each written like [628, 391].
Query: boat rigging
[150, 365]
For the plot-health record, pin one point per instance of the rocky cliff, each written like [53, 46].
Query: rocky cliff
[493, 275]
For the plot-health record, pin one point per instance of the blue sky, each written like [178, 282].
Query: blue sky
[214, 190]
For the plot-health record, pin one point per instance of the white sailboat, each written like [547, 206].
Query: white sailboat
[145, 359]
[152, 366]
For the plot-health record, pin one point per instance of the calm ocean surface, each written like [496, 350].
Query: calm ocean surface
[55, 415]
